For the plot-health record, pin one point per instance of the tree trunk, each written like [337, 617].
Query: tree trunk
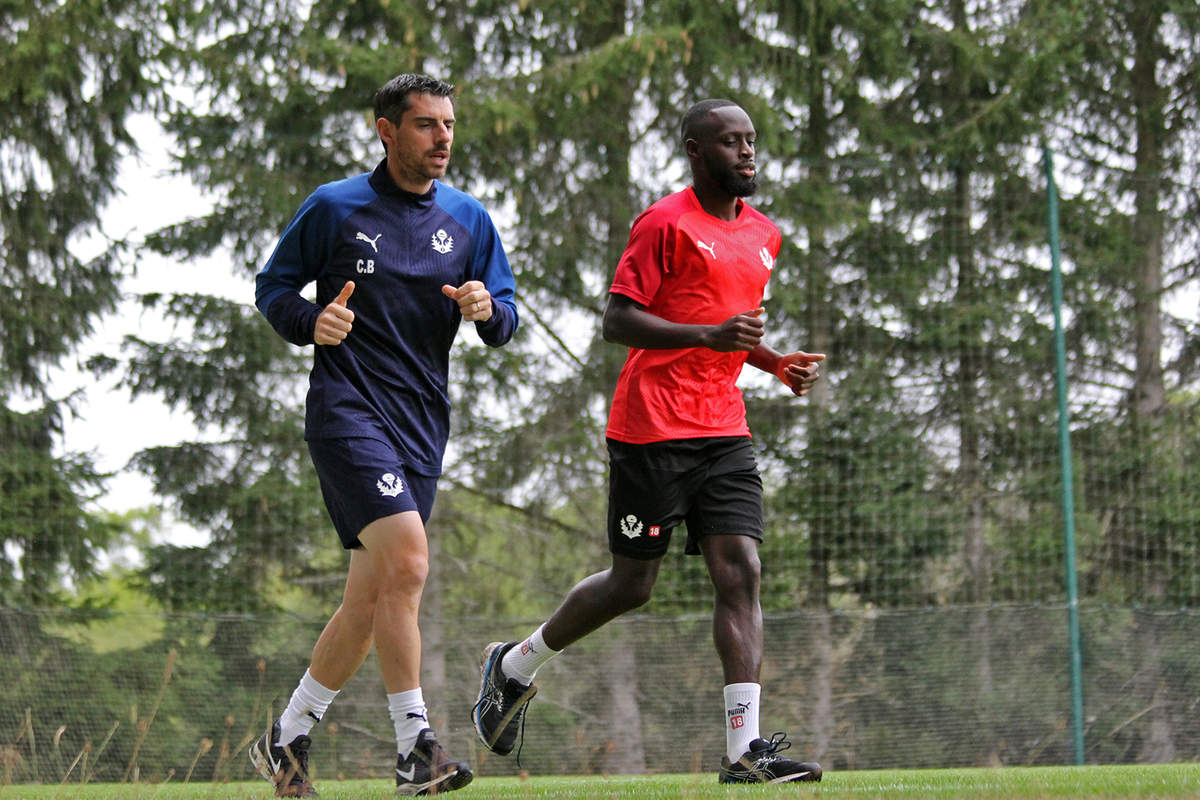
[967, 305]
[1149, 394]
[1157, 745]
[1148, 390]
[625, 750]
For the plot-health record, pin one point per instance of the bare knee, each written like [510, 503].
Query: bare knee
[403, 573]
[631, 589]
[397, 555]
[736, 578]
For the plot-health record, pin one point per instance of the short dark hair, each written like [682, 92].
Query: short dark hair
[697, 116]
[391, 101]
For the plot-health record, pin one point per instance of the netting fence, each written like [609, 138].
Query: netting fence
[917, 688]
[913, 567]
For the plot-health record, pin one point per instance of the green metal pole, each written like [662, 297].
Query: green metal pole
[1064, 449]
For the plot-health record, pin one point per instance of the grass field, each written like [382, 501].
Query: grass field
[1176, 781]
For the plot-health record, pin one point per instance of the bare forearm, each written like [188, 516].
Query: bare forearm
[648, 332]
[765, 358]
[629, 323]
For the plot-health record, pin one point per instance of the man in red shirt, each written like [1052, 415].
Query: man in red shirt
[686, 300]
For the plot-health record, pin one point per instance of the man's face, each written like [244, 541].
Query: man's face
[419, 145]
[727, 151]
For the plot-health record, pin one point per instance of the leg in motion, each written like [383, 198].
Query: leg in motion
[508, 668]
[281, 754]
[398, 553]
[734, 567]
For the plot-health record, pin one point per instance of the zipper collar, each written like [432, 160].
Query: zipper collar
[381, 181]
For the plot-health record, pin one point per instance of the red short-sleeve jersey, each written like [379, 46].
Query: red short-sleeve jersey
[685, 265]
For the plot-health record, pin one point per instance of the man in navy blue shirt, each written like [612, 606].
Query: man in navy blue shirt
[399, 260]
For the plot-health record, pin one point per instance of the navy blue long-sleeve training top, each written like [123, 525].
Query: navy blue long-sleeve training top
[388, 378]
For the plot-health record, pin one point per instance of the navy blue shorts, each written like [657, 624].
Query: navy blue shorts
[363, 480]
[712, 485]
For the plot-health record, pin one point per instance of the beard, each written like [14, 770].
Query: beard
[730, 181]
[739, 185]
[417, 168]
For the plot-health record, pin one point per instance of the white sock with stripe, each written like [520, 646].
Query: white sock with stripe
[741, 718]
[410, 717]
[524, 660]
[308, 704]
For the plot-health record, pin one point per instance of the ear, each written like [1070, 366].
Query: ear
[386, 130]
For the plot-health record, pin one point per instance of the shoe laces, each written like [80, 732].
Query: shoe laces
[775, 745]
[512, 697]
[498, 695]
[521, 737]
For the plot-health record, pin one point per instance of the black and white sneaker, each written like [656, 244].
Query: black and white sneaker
[429, 770]
[763, 764]
[285, 766]
[499, 713]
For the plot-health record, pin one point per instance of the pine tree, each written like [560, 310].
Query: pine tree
[73, 73]
[1138, 82]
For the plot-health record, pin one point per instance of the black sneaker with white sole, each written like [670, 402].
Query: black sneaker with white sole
[763, 764]
[285, 766]
[429, 770]
[499, 712]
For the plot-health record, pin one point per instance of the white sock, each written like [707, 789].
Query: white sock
[741, 718]
[410, 717]
[305, 709]
[523, 661]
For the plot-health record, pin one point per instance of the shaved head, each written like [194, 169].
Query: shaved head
[698, 118]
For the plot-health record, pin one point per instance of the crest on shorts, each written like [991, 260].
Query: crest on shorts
[631, 526]
[389, 485]
[442, 241]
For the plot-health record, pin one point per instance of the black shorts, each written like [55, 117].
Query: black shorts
[363, 480]
[710, 484]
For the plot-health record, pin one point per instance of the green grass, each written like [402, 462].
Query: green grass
[1175, 781]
